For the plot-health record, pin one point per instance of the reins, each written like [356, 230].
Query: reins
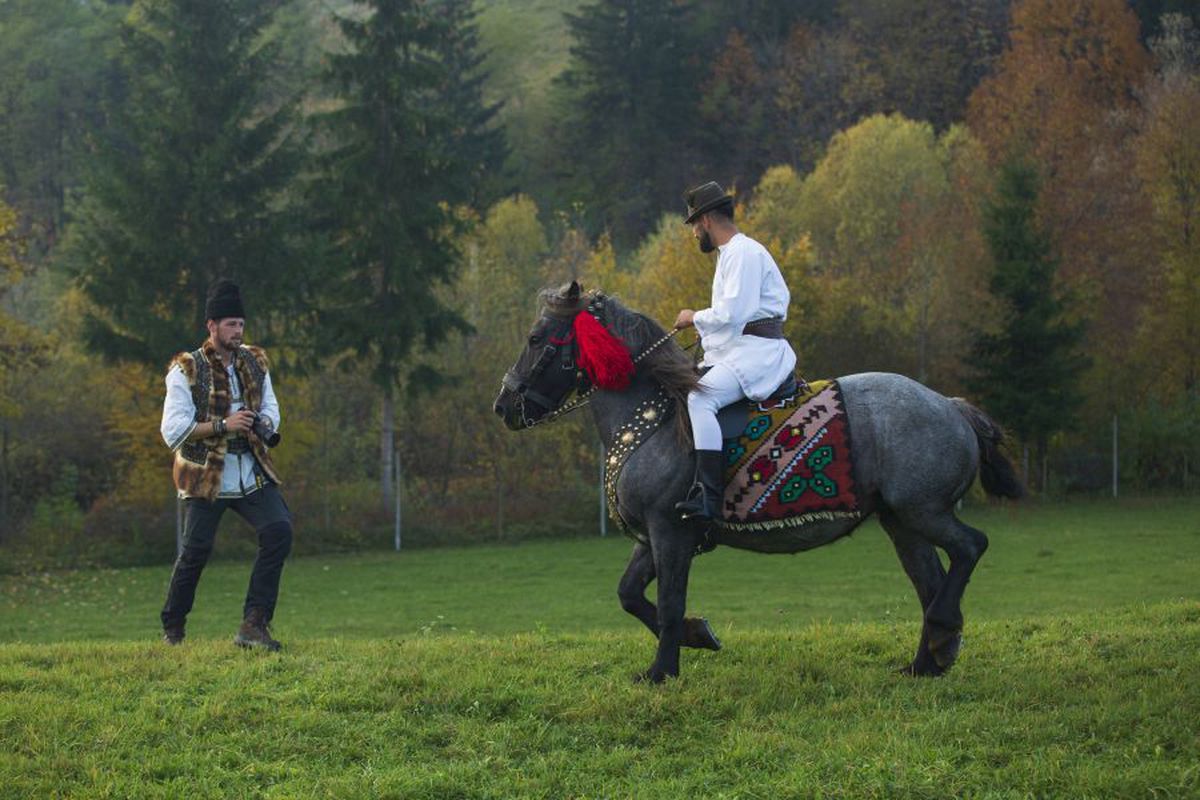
[582, 400]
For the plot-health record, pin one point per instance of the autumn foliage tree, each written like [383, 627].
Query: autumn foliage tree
[893, 213]
[20, 350]
[1063, 96]
[1168, 164]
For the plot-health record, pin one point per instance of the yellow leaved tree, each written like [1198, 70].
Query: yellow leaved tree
[897, 263]
[22, 348]
[1168, 164]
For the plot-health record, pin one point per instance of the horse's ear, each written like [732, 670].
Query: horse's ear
[573, 291]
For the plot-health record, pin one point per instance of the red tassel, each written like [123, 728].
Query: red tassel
[602, 356]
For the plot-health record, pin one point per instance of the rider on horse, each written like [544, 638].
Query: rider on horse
[745, 353]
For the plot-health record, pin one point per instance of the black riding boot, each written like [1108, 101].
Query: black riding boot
[703, 500]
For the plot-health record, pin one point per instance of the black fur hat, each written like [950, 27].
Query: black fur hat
[224, 300]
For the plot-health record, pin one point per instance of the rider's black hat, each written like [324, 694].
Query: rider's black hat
[703, 198]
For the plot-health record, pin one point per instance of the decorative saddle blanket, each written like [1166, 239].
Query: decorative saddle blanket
[789, 463]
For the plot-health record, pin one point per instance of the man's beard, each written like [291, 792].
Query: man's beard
[706, 243]
[229, 344]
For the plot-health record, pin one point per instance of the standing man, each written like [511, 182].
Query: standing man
[742, 336]
[219, 408]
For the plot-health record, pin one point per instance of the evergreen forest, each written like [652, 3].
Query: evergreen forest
[999, 198]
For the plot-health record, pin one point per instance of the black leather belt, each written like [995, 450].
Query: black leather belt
[770, 328]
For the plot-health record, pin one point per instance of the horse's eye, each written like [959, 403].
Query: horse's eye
[535, 338]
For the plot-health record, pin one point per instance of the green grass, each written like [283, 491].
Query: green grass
[504, 672]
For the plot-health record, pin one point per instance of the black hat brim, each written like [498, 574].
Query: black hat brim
[709, 206]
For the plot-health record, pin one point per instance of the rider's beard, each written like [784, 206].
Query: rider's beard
[706, 243]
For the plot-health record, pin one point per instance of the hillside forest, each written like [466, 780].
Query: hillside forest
[999, 199]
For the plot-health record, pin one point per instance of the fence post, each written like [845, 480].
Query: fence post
[398, 488]
[1115, 473]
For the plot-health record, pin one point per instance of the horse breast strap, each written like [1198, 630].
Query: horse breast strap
[648, 417]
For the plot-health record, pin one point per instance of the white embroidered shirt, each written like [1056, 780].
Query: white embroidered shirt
[747, 286]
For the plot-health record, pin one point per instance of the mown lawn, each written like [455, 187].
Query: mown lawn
[504, 672]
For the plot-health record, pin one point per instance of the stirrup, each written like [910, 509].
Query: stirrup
[697, 505]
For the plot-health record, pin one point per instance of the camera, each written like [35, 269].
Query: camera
[264, 431]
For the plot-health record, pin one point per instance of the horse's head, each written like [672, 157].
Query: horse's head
[569, 348]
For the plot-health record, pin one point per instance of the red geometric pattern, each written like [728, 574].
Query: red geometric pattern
[791, 463]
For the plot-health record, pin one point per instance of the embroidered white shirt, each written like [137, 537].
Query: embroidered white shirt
[179, 419]
[747, 286]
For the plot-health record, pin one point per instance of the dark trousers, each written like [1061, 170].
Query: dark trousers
[267, 513]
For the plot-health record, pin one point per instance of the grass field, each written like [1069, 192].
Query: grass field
[505, 672]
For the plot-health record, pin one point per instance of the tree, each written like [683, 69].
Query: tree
[1068, 65]
[893, 218]
[480, 147]
[1152, 13]
[824, 84]
[626, 143]
[1027, 370]
[52, 57]
[930, 54]
[1064, 96]
[1168, 165]
[470, 471]
[668, 272]
[188, 181]
[407, 138]
[21, 350]
[733, 109]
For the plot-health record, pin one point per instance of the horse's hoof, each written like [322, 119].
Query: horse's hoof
[652, 675]
[922, 668]
[944, 648]
[699, 634]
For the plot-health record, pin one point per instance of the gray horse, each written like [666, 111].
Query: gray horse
[915, 453]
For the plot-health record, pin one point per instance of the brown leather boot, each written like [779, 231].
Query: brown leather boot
[255, 631]
[173, 633]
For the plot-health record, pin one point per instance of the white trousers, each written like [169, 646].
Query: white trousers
[718, 388]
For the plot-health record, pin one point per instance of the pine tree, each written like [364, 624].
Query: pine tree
[1027, 371]
[188, 182]
[52, 57]
[627, 139]
[409, 141]
[479, 145]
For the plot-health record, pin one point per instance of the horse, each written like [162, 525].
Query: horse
[915, 454]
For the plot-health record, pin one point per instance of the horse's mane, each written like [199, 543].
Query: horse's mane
[668, 364]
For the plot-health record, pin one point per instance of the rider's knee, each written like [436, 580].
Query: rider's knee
[701, 403]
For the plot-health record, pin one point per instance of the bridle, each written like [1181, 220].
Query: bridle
[521, 388]
[564, 351]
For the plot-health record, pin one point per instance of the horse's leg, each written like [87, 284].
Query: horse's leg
[672, 551]
[632, 591]
[965, 546]
[927, 574]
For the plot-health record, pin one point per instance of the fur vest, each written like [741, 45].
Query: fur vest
[200, 463]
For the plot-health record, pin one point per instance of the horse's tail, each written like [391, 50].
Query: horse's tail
[996, 472]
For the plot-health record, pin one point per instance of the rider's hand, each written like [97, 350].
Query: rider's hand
[240, 421]
[684, 320]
